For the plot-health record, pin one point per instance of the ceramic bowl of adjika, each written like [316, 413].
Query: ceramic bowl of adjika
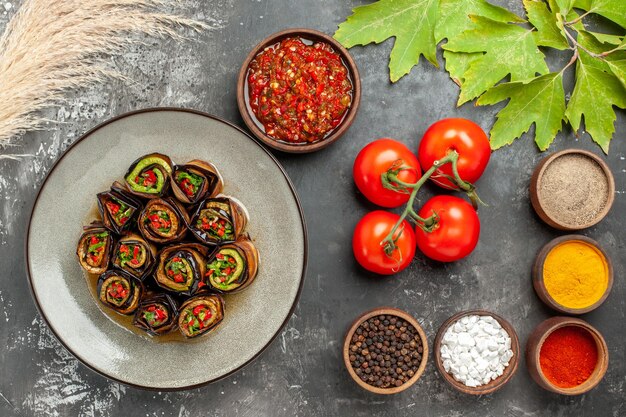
[298, 90]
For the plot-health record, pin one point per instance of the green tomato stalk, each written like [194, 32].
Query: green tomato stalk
[390, 181]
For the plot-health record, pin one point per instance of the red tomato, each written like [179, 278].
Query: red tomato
[456, 233]
[376, 158]
[461, 135]
[367, 248]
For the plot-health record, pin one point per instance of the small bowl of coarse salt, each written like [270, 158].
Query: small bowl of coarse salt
[476, 351]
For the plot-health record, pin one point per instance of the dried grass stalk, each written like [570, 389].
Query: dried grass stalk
[50, 46]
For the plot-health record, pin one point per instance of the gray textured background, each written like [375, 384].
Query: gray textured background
[302, 372]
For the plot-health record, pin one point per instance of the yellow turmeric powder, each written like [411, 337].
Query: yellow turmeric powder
[575, 274]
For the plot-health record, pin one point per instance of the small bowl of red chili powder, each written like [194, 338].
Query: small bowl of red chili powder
[567, 356]
[298, 90]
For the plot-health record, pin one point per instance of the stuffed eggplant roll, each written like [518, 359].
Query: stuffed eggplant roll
[157, 315]
[149, 176]
[94, 248]
[119, 291]
[219, 220]
[233, 267]
[118, 208]
[196, 180]
[200, 314]
[163, 220]
[134, 255]
[181, 268]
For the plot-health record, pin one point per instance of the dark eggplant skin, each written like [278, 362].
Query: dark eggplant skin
[249, 253]
[168, 303]
[212, 185]
[83, 245]
[167, 173]
[236, 215]
[194, 254]
[181, 219]
[135, 286]
[213, 301]
[119, 192]
[149, 263]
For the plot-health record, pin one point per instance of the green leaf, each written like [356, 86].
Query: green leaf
[548, 33]
[613, 63]
[411, 22]
[615, 40]
[508, 49]
[604, 52]
[454, 19]
[540, 100]
[595, 94]
[618, 68]
[562, 6]
[454, 16]
[457, 63]
[614, 10]
[582, 4]
[560, 21]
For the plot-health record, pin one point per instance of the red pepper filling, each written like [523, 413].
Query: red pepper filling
[155, 315]
[129, 254]
[160, 221]
[176, 270]
[197, 319]
[147, 178]
[97, 245]
[216, 226]
[224, 266]
[299, 92]
[189, 183]
[119, 211]
[118, 291]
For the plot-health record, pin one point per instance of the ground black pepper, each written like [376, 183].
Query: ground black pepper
[385, 351]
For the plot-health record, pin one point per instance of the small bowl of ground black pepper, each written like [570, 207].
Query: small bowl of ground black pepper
[298, 90]
[572, 190]
[385, 350]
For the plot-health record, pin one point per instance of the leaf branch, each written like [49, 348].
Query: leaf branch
[575, 45]
[578, 19]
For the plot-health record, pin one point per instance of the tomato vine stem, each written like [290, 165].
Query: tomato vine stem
[391, 181]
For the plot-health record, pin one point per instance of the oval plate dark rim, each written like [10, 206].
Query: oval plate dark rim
[199, 113]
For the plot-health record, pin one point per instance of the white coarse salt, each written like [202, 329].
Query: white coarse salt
[476, 350]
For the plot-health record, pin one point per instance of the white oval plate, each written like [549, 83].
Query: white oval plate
[252, 319]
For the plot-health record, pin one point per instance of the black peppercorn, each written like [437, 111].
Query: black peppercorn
[385, 351]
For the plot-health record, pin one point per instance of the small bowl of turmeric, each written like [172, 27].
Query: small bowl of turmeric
[572, 274]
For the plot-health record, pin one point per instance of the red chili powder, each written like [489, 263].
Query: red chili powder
[568, 356]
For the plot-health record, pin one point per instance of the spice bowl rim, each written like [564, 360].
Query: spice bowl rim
[391, 311]
[539, 284]
[250, 119]
[536, 200]
[538, 337]
[493, 385]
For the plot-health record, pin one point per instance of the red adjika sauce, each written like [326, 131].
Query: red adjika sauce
[300, 93]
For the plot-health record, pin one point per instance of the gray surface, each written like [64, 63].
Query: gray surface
[251, 319]
[301, 373]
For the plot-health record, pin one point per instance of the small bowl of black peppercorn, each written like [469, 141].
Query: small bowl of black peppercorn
[385, 350]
